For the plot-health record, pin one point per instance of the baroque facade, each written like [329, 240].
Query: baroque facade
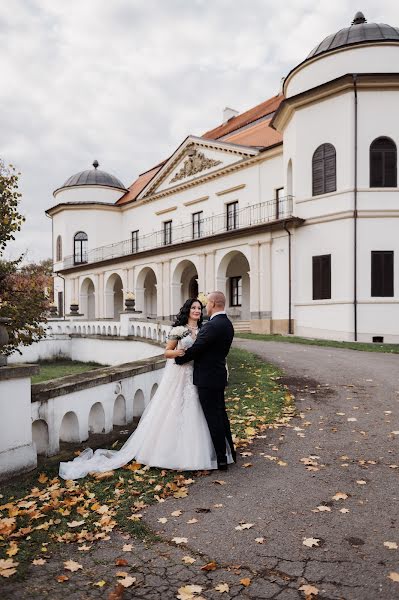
[291, 208]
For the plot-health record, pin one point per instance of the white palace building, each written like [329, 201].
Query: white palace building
[291, 208]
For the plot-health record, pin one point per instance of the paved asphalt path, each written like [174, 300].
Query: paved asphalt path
[341, 445]
[344, 441]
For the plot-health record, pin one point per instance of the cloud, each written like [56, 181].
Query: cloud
[126, 81]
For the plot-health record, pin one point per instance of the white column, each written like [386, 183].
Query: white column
[160, 289]
[140, 302]
[254, 281]
[166, 293]
[210, 283]
[202, 273]
[265, 279]
[176, 297]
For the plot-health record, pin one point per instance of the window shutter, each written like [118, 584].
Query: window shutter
[324, 178]
[321, 275]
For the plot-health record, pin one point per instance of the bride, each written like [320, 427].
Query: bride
[172, 432]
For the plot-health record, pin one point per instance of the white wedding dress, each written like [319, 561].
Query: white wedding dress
[172, 432]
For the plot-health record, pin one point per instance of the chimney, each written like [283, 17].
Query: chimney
[229, 113]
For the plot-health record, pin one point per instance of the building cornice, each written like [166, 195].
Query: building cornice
[340, 85]
[54, 210]
[308, 61]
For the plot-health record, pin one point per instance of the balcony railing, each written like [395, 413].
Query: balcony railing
[250, 216]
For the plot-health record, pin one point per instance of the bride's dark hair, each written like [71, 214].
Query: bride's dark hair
[184, 313]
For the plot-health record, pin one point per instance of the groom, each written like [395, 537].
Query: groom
[209, 353]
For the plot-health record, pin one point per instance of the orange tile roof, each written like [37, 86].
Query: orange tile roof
[257, 112]
[139, 185]
[260, 134]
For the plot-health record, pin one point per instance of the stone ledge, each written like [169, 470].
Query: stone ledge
[17, 371]
[74, 383]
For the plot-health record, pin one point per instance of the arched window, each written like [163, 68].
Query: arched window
[80, 247]
[58, 250]
[383, 163]
[324, 173]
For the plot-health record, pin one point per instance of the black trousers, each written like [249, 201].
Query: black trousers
[213, 405]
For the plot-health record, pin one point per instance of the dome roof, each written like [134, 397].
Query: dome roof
[94, 177]
[360, 32]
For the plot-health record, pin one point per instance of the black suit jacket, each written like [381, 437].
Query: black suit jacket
[209, 353]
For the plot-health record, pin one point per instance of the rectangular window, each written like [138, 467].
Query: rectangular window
[322, 277]
[235, 291]
[232, 215]
[279, 202]
[167, 233]
[382, 273]
[197, 224]
[135, 241]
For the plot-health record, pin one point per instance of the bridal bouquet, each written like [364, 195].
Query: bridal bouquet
[179, 332]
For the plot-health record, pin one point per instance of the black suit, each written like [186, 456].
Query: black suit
[209, 353]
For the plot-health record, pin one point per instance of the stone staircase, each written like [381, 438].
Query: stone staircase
[242, 326]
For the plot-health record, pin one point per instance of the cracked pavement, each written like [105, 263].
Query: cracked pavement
[329, 478]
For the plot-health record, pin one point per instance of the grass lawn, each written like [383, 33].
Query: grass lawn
[39, 510]
[60, 368]
[292, 339]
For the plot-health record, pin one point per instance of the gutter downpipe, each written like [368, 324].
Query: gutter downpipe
[355, 215]
[289, 278]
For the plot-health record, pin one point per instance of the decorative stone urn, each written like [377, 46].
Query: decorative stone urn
[74, 308]
[53, 309]
[3, 338]
[130, 302]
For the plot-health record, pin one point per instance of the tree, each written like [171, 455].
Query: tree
[23, 298]
[10, 219]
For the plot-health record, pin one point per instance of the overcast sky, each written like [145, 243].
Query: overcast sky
[125, 81]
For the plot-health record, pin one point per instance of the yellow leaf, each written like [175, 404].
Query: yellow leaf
[245, 581]
[162, 520]
[188, 592]
[259, 540]
[310, 542]
[179, 540]
[71, 565]
[340, 496]
[309, 590]
[13, 549]
[391, 545]
[75, 523]
[176, 513]
[394, 576]
[244, 526]
[127, 581]
[42, 478]
[127, 548]
[101, 583]
[39, 561]
[191, 521]
[188, 560]
[222, 587]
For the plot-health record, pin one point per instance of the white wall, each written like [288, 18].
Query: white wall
[375, 58]
[102, 351]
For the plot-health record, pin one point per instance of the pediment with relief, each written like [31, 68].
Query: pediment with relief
[195, 158]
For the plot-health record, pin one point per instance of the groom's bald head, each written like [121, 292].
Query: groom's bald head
[216, 302]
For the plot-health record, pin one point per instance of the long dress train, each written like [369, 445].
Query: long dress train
[172, 432]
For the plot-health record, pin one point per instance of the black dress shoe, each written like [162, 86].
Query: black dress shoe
[222, 466]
